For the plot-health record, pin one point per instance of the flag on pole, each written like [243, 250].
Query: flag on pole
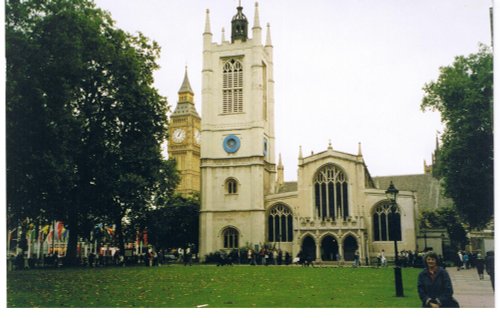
[50, 235]
[46, 229]
[65, 234]
[145, 237]
[58, 230]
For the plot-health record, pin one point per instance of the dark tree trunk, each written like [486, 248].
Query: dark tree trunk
[119, 235]
[71, 258]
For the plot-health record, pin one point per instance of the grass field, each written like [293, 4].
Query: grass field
[220, 287]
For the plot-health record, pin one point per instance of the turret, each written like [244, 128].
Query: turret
[281, 176]
[239, 26]
[257, 30]
[207, 34]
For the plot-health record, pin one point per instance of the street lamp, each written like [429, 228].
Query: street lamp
[425, 240]
[392, 194]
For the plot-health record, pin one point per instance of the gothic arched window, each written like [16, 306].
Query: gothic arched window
[386, 225]
[280, 224]
[231, 237]
[232, 87]
[331, 193]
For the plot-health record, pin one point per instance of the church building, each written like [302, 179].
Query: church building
[334, 207]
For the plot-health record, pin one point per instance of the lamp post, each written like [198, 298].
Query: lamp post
[425, 240]
[392, 194]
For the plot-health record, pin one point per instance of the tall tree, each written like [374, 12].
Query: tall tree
[463, 94]
[84, 123]
[176, 224]
[446, 218]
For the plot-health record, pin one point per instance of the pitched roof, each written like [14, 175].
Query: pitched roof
[288, 187]
[429, 191]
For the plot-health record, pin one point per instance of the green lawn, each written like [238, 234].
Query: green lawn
[235, 287]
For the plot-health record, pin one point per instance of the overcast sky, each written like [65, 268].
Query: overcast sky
[346, 71]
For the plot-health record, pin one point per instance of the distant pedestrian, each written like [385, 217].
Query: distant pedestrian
[288, 258]
[356, 259]
[480, 266]
[188, 256]
[383, 258]
[280, 257]
[460, 260]
[466, 260]
[490, 267]
[434, 285]
[180, 252]
[91, 259]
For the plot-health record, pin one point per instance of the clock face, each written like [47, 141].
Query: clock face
[197, 136]
[179, 135]
[231, 144]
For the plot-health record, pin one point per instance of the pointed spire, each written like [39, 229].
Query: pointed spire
[281, 169]
[268, 36]
[207, 23]
[359, 150]
[256, 19]
[185, 104]
[257, 30]
[330, 144]
[223, 35]
[300, 153]
[186, 86]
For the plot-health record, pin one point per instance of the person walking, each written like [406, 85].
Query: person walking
[490, 267]
[187, 256]
[466, 260]
[356, 259]
[480, 266]
[434, 285]
[383, 259]
[180, 252]
[460, 260]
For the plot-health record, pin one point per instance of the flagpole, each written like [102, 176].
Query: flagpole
[53, 237]
[29, 242]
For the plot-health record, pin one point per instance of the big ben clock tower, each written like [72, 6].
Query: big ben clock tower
[237, 152]
[184, 140]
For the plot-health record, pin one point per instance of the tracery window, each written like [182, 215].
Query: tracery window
[231, 237]
[331, 193]
[386, 225]
[232, 87]
[280, 224]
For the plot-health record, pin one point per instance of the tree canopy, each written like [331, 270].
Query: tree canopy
[445, 218]
[84, 123]
[463, 94]
[176, 224]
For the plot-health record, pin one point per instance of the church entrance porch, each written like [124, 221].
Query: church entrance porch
[309, 248]
[350, 245]
[329, 248]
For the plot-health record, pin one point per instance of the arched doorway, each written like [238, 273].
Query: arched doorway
[329, 248]
[350, 246]
[309, 247]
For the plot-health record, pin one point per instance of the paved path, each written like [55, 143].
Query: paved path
[469, 290]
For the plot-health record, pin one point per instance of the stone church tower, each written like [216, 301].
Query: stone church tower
[184, 140]
[237, 152]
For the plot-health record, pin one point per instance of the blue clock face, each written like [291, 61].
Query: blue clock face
[231, 144]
